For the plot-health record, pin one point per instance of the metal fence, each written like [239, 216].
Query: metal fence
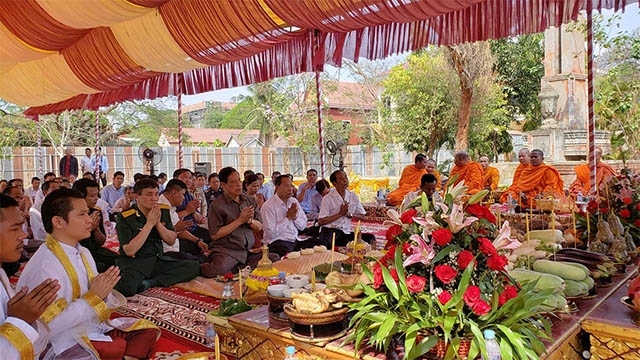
[24, 162]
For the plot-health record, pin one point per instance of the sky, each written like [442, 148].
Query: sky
[630, 20]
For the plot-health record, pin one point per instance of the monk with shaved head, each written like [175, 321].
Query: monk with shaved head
[582, 183]
[468, 171]
[537, 178]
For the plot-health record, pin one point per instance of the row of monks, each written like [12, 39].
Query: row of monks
[532, 178]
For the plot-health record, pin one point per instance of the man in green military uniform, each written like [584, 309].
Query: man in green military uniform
[141, 231]
[104, 257]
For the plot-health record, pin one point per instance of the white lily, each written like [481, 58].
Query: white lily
[504, 239]
[394, 216]
[457, 190]
[457, 220]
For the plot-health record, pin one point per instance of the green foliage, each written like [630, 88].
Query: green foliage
[145, 120]
[490, 121]
[213, 116]
[238, 117]
[519, 68]
[424, 97]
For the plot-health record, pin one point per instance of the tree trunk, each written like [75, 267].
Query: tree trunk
[466, 96]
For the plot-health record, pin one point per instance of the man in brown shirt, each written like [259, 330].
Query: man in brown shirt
[232, 220]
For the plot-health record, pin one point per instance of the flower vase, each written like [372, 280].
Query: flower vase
[439, 351]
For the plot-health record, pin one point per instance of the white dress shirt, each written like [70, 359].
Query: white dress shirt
[276, 225]
[174, 220]
[331, 204]
[38, 341]
[37, 227]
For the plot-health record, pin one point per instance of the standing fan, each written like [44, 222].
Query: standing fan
[335, 150]
[150, 156]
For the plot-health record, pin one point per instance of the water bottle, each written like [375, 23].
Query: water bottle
[210, 335]
[493, 348]
[291, 353]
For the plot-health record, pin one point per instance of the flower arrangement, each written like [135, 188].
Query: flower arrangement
[443, 278]
[622, 197]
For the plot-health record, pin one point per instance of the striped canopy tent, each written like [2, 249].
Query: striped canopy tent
[84, 54]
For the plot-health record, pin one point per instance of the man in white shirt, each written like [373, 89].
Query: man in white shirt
[337, 209]
[282, 219]
[21, 335]
[33, 189]
[77, 319]
[173, 196]
[85, 162]
[35, 218]
[268, 190]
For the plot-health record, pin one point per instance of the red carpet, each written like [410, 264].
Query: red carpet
[180, 314]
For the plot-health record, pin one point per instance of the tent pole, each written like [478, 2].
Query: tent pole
[590, 94]
[180, 150]
[320, 127]
[40, 155]
[98, 162]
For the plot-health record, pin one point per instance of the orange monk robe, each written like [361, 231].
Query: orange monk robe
[409, 181]
[516, 174]
[471, 173]
[490, 178]
[582, 183]
[436, 173]
[536, 180]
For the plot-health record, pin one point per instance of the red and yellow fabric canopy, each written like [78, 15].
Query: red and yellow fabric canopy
[58, 55]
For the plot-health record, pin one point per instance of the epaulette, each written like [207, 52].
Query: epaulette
[165, 206]
[128, 213]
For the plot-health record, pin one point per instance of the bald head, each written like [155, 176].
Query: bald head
[598, 155]
[523, 156]
[484, 161]
[461, 158]
[536, 157]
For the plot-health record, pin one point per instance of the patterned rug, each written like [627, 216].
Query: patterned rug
[180, 314]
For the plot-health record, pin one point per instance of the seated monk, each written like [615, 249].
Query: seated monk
[409, 180]
[431, 169]
[523, 158]
[537, 178]
[467, 170]
[490, 175]
[582, 183]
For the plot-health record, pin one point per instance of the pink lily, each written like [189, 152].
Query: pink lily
[504, 240]
[422, 253]
[457, 220]
[427, 223]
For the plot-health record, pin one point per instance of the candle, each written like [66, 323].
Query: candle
[588, 228]
[217, 347]
[575, 232]
[333, 247]
[240, 282]
[553, 229]
[313, 280]
[526, 221]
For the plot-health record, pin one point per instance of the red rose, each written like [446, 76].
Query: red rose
[497, 262]
[627, 200]
[481, 212]
[464, 258]
[507, 294]
[486, 246]
[471, 296]
[406, 247]
[481, 308]
[444, 297]
[387, 258]
[636, 223]
[442, 236]
[392, 232]
[228, 276]
[407, 216]
[377, 276]
[394, 274]
[638, 206]
[624, 213]
[416, 283]
[604, 210]
[445, 273]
